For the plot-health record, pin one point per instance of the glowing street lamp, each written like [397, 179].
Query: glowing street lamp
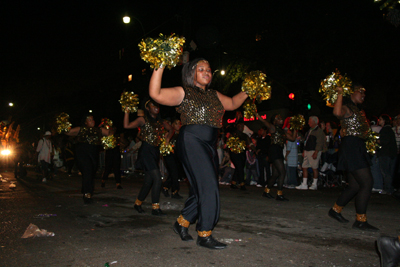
[126, 19]
[11, 104]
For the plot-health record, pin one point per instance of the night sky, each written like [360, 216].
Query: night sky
[64, 56]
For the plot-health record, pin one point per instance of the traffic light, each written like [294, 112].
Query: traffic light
[308, 106]
[291, 96]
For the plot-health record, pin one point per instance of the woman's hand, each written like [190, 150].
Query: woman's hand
[339, 90]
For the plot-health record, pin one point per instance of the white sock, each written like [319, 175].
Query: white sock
[315, 181]
[305, 180]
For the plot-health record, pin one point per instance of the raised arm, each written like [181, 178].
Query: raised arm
[270, 126]
[165, 96]
[73, 132]
[133, 124]
[232, 103]
[170, 130]
[339, 110]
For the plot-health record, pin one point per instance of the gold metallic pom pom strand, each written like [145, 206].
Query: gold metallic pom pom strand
[256, 87]
[371, 142]
[329, 84]
[129, 101]
[297, 122]
[106, 123]
[109, 142]
[236, 145]
[162, 52]
[62, 122]
[249, 109]
[166, 149]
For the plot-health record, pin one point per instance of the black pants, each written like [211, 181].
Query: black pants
[174, 167]
[112, 164]
[197, 151]
[87, 159]
[239, 160]
[263, 167]
[360, 187]
[278, 174]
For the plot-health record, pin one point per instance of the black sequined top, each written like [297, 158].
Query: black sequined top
[355, 125]
[151, 132]
[278, 137]
[91, 136]
[201, 107]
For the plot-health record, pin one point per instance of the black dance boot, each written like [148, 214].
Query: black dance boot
[389, 248]
[281, 198]
[364, 226]
[337, 216]
[183, 232]
[87, 198]
[267, 195]
[138, 208]
[158, 212]
[209, 242]
[165, 192]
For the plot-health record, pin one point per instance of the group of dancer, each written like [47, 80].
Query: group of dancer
[201, 111]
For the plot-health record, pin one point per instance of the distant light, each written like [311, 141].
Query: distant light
[129, 77]
[90, 111]
[126, 19]
[5, 152]
[222, 72]
[11, 104]
[38, 128]
[309, 106]
[291, 96]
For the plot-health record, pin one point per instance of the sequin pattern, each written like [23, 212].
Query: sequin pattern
[151, 132]
[90, 136]
[355, 125]
[201, 107]
[278, 138]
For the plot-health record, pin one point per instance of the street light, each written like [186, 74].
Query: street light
[127, 20]
[11, 104]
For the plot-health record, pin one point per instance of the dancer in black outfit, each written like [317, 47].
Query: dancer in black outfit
[112, 162]
[239, 159]
[151, 130]
[174, 165]
[87, 153]
[353, 158]
[201, 111]
[275, 154]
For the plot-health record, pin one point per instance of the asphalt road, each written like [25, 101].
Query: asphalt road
[258, 231]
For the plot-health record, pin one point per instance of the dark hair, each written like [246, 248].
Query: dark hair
[386, 118]
[84, 118]
[189, 73]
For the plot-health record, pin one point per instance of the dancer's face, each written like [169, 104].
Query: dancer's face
[359, 95]
[90, 122]
[176, 125]
[203, 74]
[153, 109]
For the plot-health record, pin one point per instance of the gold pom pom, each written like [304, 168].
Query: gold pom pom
[166, 149]
[62, 122]
[329, 84]
[297, 122]
[249, 109]
[130, 101]
[371, 142]
[162, 52]
[236, 145]
[109, 142]
[106, 123]
[256, 87]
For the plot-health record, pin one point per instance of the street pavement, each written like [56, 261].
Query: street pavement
[258, 231]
